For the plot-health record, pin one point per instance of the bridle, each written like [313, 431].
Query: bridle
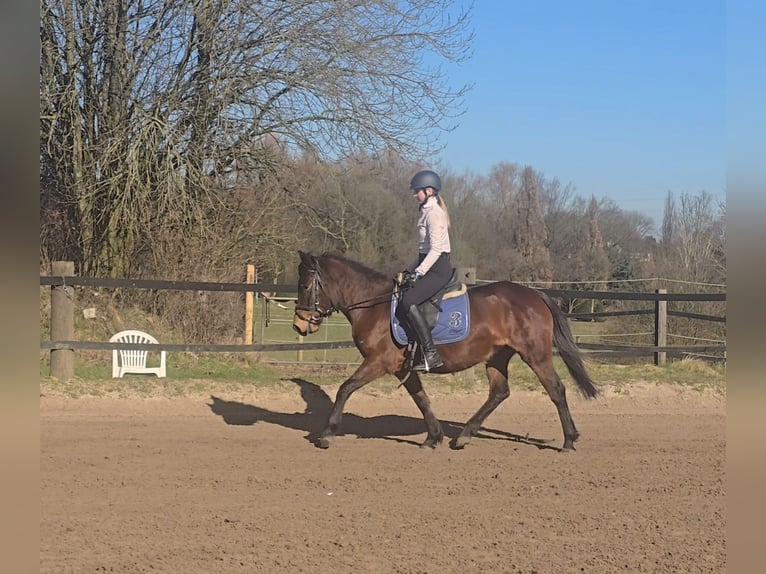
[315, 287]
[317, 313]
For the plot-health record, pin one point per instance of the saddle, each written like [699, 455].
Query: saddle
[447, 314]
[431, 307]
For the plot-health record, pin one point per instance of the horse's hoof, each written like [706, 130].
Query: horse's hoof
[432, 443]
[323, 442]
[567, 449]
[460, 442]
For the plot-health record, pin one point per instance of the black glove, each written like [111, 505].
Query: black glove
[408, 279]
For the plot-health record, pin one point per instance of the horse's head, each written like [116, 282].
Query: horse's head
[313, 303]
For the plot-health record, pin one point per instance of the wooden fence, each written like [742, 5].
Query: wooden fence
[62, 343]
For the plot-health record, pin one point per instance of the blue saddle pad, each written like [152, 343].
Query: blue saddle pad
[452, 323]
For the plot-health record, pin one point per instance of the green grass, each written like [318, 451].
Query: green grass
[191, 375]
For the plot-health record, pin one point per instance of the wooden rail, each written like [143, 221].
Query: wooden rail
[62, 343]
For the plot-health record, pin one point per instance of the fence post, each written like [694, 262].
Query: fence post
[660, 327]
[250, 278]
[62, 321]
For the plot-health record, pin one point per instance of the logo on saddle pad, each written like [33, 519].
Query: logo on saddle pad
[452, 322]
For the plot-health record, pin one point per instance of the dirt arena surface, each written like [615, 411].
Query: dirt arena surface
[231, 483]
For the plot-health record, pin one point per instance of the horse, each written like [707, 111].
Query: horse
[506, 319]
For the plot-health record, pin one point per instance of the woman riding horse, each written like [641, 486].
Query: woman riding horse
[432, 270]
[506, 319]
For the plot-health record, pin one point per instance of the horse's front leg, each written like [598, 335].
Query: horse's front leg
[435, 432]
[367, 372]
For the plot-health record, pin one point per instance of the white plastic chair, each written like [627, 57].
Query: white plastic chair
[134, 361]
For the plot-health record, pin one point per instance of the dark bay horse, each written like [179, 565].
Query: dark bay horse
[506, 319]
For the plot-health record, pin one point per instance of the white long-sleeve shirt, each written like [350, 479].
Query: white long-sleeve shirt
[433, 235]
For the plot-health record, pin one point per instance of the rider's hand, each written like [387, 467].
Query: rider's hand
[409, 278]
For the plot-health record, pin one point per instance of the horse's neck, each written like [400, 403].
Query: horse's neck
[355, 287]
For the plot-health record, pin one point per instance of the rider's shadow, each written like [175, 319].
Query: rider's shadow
[318, 406]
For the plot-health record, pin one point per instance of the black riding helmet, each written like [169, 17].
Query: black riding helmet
[426, 178]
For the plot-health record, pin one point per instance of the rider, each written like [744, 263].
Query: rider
[432, 269]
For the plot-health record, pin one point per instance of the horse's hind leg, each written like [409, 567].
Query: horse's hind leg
[435, 432]
[497, 373]
[550, 379]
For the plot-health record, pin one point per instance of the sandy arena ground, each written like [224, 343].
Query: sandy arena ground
[223, 483]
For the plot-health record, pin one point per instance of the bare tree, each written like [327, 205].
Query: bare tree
[598, 263]
[471, 239]
[628, 242]
[529, 236]
[669, 218]
[153, 110]
[699, 238]
[555, 205]
[582, 260]
[497, 220]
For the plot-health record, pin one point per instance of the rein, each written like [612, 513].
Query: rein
[316, 287]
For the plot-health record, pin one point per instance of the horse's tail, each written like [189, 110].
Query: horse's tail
[565, 343]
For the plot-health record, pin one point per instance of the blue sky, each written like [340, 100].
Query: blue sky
[620, 98]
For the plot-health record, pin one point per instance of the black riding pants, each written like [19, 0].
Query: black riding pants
[425, 287]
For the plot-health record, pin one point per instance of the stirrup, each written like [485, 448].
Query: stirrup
[425, 367]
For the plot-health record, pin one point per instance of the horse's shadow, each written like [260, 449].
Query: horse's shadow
[313, 419]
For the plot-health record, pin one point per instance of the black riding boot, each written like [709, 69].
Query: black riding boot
[431, 358]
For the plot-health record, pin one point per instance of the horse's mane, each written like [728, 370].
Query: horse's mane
[358, 267]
